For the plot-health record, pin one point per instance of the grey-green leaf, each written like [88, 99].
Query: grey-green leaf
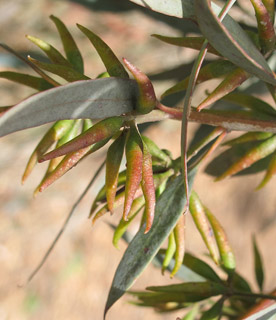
[93, 99]
[229, 39]
[144, 247]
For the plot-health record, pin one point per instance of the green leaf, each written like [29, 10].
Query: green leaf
[27, 80]
[111, 62]
[200, 267]
[258, 265]
[65, 72]
[232, 42]
[214, 312]
[250, 102]
[144, 247]
[71, 50]
[94, 99]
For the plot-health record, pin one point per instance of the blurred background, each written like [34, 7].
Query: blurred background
[75, 280]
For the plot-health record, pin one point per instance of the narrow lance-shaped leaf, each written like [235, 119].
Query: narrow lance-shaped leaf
[200, 219]
[214, 312]
[204, 141]
[216, 69]
[147, 99]
[155, 151]
[247, 137]
[233, 80]
[250, 102]
[270, 172]
[71, 50]
[232, 42]
[69, 135]
[67, 73]
[87, 124]
[136, 207]
[148, 188]
[93, 99]
[187, 42]
[179, 235]
[200, 267]
[53, 134]
[170, 251]
[100, 131]
[258, 265]
[111, 62]
[143, 247]
[68, 162]
[34, 67]
[36, 83]
[261, 151]
[53, 54]
[225, 250]
[265, 26]
[192, 314]
[134, 158]
[113, 161]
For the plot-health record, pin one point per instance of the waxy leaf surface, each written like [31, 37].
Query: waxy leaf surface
[144, 247]
[232, 42]
[95, 99]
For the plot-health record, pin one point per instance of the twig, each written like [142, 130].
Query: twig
[46, 255]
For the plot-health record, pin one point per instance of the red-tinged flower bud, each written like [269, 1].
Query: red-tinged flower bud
[100, 131]
[147, 98]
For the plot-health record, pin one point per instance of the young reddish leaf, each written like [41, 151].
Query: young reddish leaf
[271, 171]
[265, 26]
[36, 83]
[53, 134]
[247, 137]
[53, 54]
[136, 207]
[225, 250]
[68, 162]
[258, 265]
[69, 135]
[71, 50]
[113, 161]
[134, 157]
[111, 62]
[230, 83]
[147, 99]
[261, 151]
[155, 151]
[101, 196]
[270, 7]
[179, 235]
[67, 73]
[216, 69]
[187, 42]
[200, 219]
[148, 187]
[170, 251]
[100, 131]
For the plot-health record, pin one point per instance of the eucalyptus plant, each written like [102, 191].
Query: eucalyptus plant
[88, 114]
